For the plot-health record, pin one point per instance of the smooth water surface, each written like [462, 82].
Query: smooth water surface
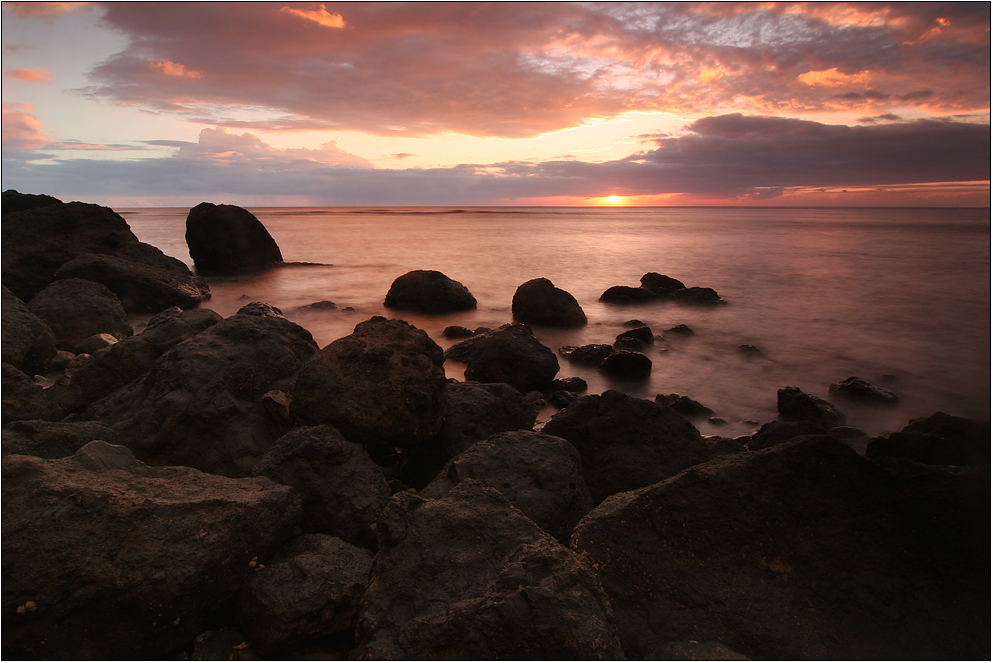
[900, 297]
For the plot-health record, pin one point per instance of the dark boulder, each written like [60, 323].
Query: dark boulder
[342, 490]
[226, 238]
[383, 386]
[24, 400]
[795, 405]
[573, 384]
[310, 589]
[684, 405]
[202, 404]
[635, 339]
[428, 291]
[457, 331]
[587, 355]
[93, 344]
[857, 390]
[119, 560]
[539, 302]
[626, 365]
[628, 442]
[28, 343]
[778, 432]
[144, 279]
[470, 577]
[679, 331]
[510, 354]
[661, 284]
[623, 294]
[76, 309]
[37, 242]
[796, 552]
[697, 296]
[15, 201]
[941, 439]
[128, 360]
[261, 309]
[539, 474]
[475, 412]
[53, 439]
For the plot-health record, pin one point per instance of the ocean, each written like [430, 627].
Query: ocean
[898, 296]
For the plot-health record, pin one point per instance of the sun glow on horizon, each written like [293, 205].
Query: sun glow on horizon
[613, 200]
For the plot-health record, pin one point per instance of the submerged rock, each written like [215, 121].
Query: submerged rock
[126, 561]
[226, 238]
[661, 284]
[626, 365]
[623, 294]
[510, 354]
[861, 391]
[697, 296]
[428, 291]
[539, 302]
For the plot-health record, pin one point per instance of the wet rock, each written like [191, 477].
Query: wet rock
[76, 309]
[15, 201]
[125, 561]
[342, 490]
[383, 386]
[626, 365]
[660, 284]
[92, 344]
[561, 399]
[37, 242]
[539, 474]
[778, 432]
[261, 309]
[144, 279]
[587, 355]
[795, 405]
[635, 339]
[475, 412]
[24, 400]
[511, 354]
[310, 589]
[428, 291]
[684, 405]
[678, 331]
[471, 577]
[749, 351]
[53, 439]
[697, 296]
[573, 384]
[202, 405]
[457, 331]
[627, 442]
[28, 343]
[539, 302]
[623, 294]
[323, 305]
[857, 390]
[795, 552]
[124, 362]
[226, 238]
[941, 439]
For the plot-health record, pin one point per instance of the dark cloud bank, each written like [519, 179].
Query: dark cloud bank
[721, 157]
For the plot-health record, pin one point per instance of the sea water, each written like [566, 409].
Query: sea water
[898, 296]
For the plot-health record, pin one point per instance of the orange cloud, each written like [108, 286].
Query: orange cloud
[30, 75]
[175, 69]
[44, 9]
[833, 78]
[321, 16]
[21, 129]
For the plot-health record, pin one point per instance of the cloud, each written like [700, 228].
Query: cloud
[44, 9]
[726, 158]
[517, 70]
[174, 69]
[21, 129]
[29, 75]
[321, 16]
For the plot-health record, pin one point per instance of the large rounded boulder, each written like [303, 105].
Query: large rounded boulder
[539, 302]
[470, 577]
[37, 242]
[76, 309]
[510, 354]
[428, 291]
[383, 386]
[28, 342]
[227, 238]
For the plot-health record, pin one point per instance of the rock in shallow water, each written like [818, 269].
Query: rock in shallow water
[539, 302]
[428, 291]
[226, 238]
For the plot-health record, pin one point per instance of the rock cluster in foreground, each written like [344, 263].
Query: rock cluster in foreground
[223, 488]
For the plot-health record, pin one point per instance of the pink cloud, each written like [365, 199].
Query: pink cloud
[45, 9]
[29, 75]
[321, 16]
[21, 129]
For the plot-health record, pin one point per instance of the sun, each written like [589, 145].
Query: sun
[613, 200]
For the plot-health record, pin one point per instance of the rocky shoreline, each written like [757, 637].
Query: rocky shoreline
[222, 488]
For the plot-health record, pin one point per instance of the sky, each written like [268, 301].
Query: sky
[458, 103]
